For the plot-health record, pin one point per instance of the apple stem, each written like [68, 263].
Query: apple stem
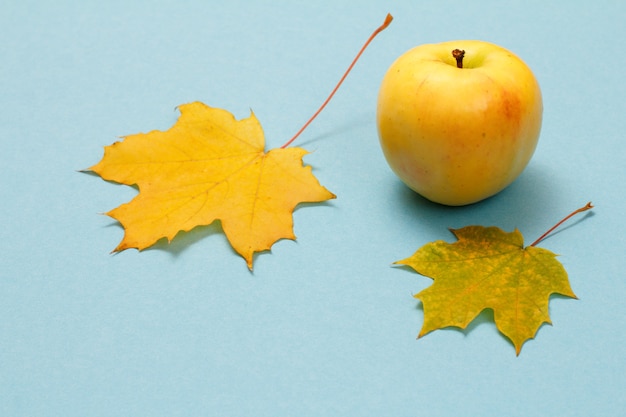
[458, 54]
[382, 27]
[572, 214]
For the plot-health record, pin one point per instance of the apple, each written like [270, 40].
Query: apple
[459, 121]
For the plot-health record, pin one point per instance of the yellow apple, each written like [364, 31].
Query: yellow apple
[458, 129]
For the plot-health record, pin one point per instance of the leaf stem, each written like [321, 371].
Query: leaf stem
[382, 27]
[566, 218]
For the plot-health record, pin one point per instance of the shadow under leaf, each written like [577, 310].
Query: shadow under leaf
[184, 239]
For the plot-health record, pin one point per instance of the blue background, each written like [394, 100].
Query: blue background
[324, 325]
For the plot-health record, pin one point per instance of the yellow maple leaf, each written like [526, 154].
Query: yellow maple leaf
[487, 268]
[209, 166]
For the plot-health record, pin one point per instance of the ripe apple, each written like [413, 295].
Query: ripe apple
[458, 127]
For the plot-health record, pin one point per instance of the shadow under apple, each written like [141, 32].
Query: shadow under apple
[520, 203]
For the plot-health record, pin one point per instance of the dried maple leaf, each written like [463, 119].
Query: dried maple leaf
[209, 166]
[487, 268]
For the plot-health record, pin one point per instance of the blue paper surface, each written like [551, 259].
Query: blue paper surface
[325, 325]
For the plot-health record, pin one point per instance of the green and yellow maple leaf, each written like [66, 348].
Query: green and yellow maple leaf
[487, 268]
[209, 166]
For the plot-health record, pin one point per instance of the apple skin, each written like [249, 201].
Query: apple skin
[459, 135]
